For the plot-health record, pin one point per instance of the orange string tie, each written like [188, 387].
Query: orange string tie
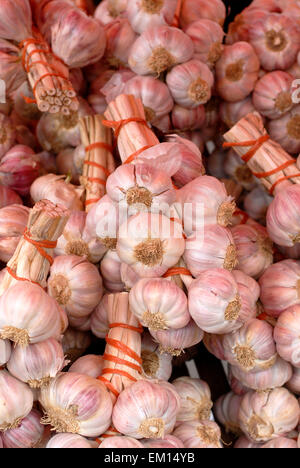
[126, 326]
[133, 156]
[117, 125]
[97, 145]
[109, 385]
[41, 245]
[125, 349]
[260, 175]
[122, 362]
[28, 100]
[271, 190]
[256, 144]
[177, 271]
[91, 201]
[18, 278]
[244, 215]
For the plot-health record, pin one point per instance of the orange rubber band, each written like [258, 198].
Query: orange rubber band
[119, 372]
[97, 180]
[128, 327]
[123, 362]
[136, 154]
[28, 100]
[41, 245]
[256, 144]
[99, 166]
[125, 349]
[177, 271]
[91, 201]
[18, 278]
[260, 175]
[117, 125]
[100, 144]
[282, 180]
[244, 215]
[109, 385]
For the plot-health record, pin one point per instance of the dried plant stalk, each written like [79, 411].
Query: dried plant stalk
[46, 223]
[132, 137]
[99, 161]
[268, 158]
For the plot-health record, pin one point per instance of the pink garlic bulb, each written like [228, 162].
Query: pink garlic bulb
[90, 365]
[272, 95]
[5, 351]
[232, 112]
[146, 410]
[128, 276]
[158, 49]
[110, 268]
[80, 323]
[199, 434]
[287, 335]
[156, 365]
[119, 36]
[252, 347]
[279, 287]
[11, 71]
[72, 241]
[19, 169]
[150, 243]
[214, 301]
[254, 249]
[120, 442]
[285, 130]
[238, 170]
[159, 304]
[175, 341]
[190, 83]
[78, 39]
[78, 81]
[54, 188]
[37, 363]
[7, 134]
[204, 200]
[207, 37]
[195, 399]
[99, 318]
[275, 376]
[76, 285]
[108, 10]
[27, 435]
[8, 197]
[249, 292]
[276, 40]
[193, 10]
[214, 344]
[244, 443]
[256, 203]
[16, 401]
[114, 85]
[68, 441]
[13, 221]
[236, 386]
[169, 441]
[226, 410]
[281, 442]
[213, 248]
[144, 14]
[294, 382]
[187, 119]
[290, 252]
[66, 165]
[154, 95]
[29, 315]
[75, 343]
[237, 72]
[140, 187]
[77, 404]
[268, 415]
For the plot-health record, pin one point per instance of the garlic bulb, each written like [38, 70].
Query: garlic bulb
[156, 365]
[281, 442]
[90, 365]
[267, 415]
[188, 119]
[199, 434]
[213, 248]
[169, 441]
[272, 95]
[158, 49]
[77, 404]
[9, 197]
[72, 241]
[294, 383]
[16, 401]
[249, 292]
[52, 187]
[238, 170]
[232, 112]
[175, 341]
[110, 268]
[193, 10]
[150, 243]
[252, 347]
[207, 37]
[75, 343]
[287, 335]
[13, 221]
[195, 399]
[159, 304]
[27, 435]
[119, 36]
[146, 409]
[120, 442]
[256, 203]
[68, 441]
[80, 323]
[5, 351]
[226, 410]
[99, 318]
[214, 344]
[76, 285]
[144, 14]
[244, 443]
[29, 315]
[128, 276]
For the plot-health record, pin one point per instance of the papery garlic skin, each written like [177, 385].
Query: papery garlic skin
[281, 442]
[75, 343]
[146, 410]
[9, 197]
[5, 351]
[68, 441]
[29, 315]
[267, 415]
[214, 344]
[16, 401]
[110, 268]
[72, 242]
[190, 83]
[80, 323]
[27, 435]
[119, 36]
[287, 335]
[272, 95]
[169, 441]
[214, 301]
[99, 318]
[156, 364]
[175, 341]
[158, 49]
[279, 287]
[76, 285]
[37, 364]
[159, 304]
[226, 410]
[77, 404]
[294, 382]
[199, 434]
[232, 112]
[90, 365]
[13, 221]
[120, 442]
[213, 248]
[244, 443]
[144, 14]
[150, 243]
[249, 292]
[192, 10]
[207, 37]
[52, 187]
[195, 399]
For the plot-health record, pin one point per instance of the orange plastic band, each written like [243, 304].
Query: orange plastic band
[136, 154]
[256, 144]
[125, 349]
[260, 175]
[91, 201]
[123, 362]
[177, 271]
[100, 144]
[97, 180]
[128, 327]
[58, 75]
[119, 124]
[99, 166]
[110, 429]
[18, 278]
[41, 245]
[98, 441]
[109, 385]
[244, 215]
[28, 100]
[119, 372]
[282, 180]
